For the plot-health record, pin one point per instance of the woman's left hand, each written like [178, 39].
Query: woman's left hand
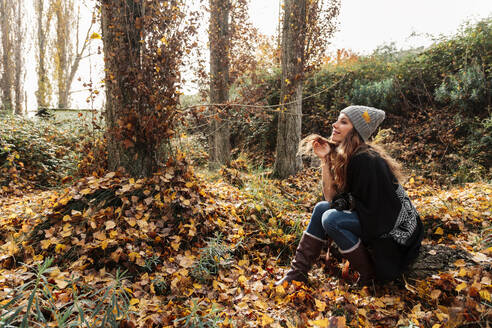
[321, 149]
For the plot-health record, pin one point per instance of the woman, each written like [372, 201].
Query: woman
[366, 213]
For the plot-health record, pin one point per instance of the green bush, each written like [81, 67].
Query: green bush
[465, 90]
[34, 152]
[33, 304]
[381, 94]
[213, 257]
[199, 317]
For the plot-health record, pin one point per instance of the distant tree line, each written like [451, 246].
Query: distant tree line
[58, 45]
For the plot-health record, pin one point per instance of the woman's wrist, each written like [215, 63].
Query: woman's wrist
[324, 160]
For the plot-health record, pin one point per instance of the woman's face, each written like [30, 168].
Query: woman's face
[341, 128]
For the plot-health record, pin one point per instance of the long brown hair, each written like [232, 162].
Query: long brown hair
[340, 154]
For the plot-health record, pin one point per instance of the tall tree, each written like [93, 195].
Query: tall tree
[287, 162]
[144, 42]
[43, 19]
[19, 59]
[6, 21]
[219, 40]
[69, 49]
[64, 13]
[306, 28]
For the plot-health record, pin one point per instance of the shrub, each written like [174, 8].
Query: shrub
[198, 317]
[214, 256]
[465, 90]
[379, 94]
[34, 304]
[34, 152]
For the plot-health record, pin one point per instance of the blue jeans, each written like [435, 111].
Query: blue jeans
[341, 226]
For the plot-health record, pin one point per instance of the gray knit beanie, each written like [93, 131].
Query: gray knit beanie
[364, 119]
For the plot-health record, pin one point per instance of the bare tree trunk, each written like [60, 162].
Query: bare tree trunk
[74, 64]
[219, 39]
[122, 58]
[6, 15]
[287, 162]
[42, 94]
[64, 18]
[19, 62]
[68, 55]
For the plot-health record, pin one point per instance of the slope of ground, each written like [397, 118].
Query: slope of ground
[184, 249]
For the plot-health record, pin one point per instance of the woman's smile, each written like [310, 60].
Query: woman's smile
[341, 128]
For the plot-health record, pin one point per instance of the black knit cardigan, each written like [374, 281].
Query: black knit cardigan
[391, 227]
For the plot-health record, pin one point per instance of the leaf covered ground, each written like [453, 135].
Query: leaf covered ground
[190, 248]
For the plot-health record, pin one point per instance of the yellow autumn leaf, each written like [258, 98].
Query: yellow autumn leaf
[86, 191]
[366, 117]
[60, 248]
[65, 200]
[45, 243]
[131, 221]
[242, 262]
[241, 279]
[38, 257]
[175, 245]
[133, 255]
[461, 286]
[485, 295]
[104, 244]
[266, 320]
[95, 36]
[260, 304]
[460, 263]
[320, 305]
[10, 247]
[280, 290]
[439, 231]
[322, 323]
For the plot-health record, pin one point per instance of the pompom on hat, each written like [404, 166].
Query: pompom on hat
[364, 119]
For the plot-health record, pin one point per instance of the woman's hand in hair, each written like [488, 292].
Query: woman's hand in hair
[321, 148]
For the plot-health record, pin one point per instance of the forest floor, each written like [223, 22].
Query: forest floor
[191, 248]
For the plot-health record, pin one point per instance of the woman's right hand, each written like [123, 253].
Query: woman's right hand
[321, 149]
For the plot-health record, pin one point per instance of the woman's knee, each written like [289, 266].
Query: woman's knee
[329, 220]
[320, 208]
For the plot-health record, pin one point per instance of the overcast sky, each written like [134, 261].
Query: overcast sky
[364, 24]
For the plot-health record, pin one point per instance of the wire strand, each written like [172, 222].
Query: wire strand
[267, 107]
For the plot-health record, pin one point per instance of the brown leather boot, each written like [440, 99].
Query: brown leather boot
[361, 261]
[307, 253]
